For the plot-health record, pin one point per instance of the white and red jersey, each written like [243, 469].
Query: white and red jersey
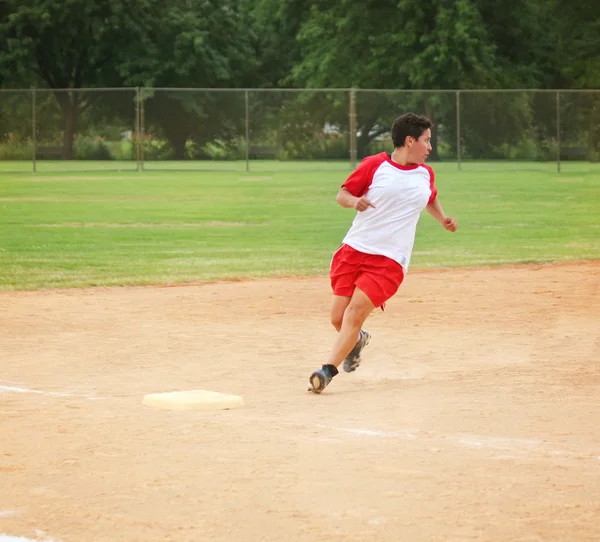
[399, 194]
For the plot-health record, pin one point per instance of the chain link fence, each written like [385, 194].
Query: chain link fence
[305, 128]
[273, 129]
[57, 130]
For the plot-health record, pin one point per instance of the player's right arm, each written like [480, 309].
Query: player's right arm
[347, 200]
[352, 192]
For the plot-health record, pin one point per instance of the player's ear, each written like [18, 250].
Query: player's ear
[409, 141]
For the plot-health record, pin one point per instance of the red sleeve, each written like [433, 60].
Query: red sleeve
[361, 178]
[432, 186]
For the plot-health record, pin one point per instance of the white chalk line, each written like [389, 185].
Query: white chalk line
[9, 513]
[371, 433]
[8, 538]
[19, 389]
[501, 444]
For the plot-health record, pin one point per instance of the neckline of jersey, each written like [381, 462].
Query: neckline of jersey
[388, 158]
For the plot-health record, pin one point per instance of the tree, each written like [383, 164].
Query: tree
[578, 52]
[91, 43]
[67, 45]
[192, 44]
[275, 25]
[430, 45]
[406, 45]
[523, 33]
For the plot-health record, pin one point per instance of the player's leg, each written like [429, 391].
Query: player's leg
[380, 280]
[352, 360]
[357, 311]
[377, 280]
[355, 315]
[344, 272]
[338, 307]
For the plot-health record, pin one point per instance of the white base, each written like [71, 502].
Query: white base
[192, 400]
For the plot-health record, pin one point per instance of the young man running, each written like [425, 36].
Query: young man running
[389, 191]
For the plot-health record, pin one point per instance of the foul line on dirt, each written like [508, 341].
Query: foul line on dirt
[18, 389]
[9, 513]
[500, 444]
[8, 538]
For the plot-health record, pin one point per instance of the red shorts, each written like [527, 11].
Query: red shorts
[377, 276]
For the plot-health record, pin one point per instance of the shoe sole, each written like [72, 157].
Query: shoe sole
[315, 384]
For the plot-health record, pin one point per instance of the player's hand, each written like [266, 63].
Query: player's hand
[362, 204]
[450, 224]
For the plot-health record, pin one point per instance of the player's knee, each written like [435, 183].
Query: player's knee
[336, 320]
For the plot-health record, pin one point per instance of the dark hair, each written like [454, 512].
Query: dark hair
[409, 124]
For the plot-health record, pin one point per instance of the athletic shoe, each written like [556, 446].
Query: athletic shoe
[353, 360]
[320, 379]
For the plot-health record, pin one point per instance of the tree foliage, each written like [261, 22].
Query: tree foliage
[193, 44]
[68, 44]
[402, 45]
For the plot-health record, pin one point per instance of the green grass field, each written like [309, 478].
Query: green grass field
[117, 228]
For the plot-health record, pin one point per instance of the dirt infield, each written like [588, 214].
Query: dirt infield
[475, 414]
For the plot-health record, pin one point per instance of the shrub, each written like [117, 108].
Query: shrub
[16, 150]
[90, 148]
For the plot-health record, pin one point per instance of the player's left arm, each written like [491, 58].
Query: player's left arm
[435, 209]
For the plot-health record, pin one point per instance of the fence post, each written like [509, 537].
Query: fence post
[33, 128]
[458, 128]
[137, 128]
[247, 131]
[352, 128]
[142, 130]
[558, 131]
